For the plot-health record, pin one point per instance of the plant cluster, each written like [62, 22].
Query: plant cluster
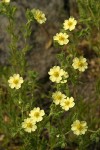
[70, 121]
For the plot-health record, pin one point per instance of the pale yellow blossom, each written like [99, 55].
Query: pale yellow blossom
[80, 64]
[61, 38]
[69, 24]
[79, 127]
[36, 114]
[58, 75]
[15, 81]
[67, 103]
[58, 97]
[39, 16]
[29, 125]
[6, 1]
[65, 76]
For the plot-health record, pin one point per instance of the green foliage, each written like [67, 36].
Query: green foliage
[89, 11]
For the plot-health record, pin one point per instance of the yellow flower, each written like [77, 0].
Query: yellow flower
[67, 103]
[57, 74]
[39, 16]
[61, 38]
[29, 125]
[80, 64]
[36, 114]
[15, 81]
[69, 24]
[65, 76]
[58, 97]
[79, 127]
[6, 1]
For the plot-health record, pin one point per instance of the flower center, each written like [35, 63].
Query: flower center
[39, 16]
[70, 23]
[67, 103]
[59, 97]
[15, 81]
[80, 64]
[37, 114]
[61, 38]
[29, 125]
[56, 74]
[79, 127]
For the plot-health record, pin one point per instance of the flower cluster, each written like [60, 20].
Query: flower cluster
[79, 127]
[62, 37]
[39, 16]
[65, 102]
[58, 75]
[80, 64]
[15, 81]
[36, 115]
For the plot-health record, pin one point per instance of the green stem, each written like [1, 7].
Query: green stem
[92, 131]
